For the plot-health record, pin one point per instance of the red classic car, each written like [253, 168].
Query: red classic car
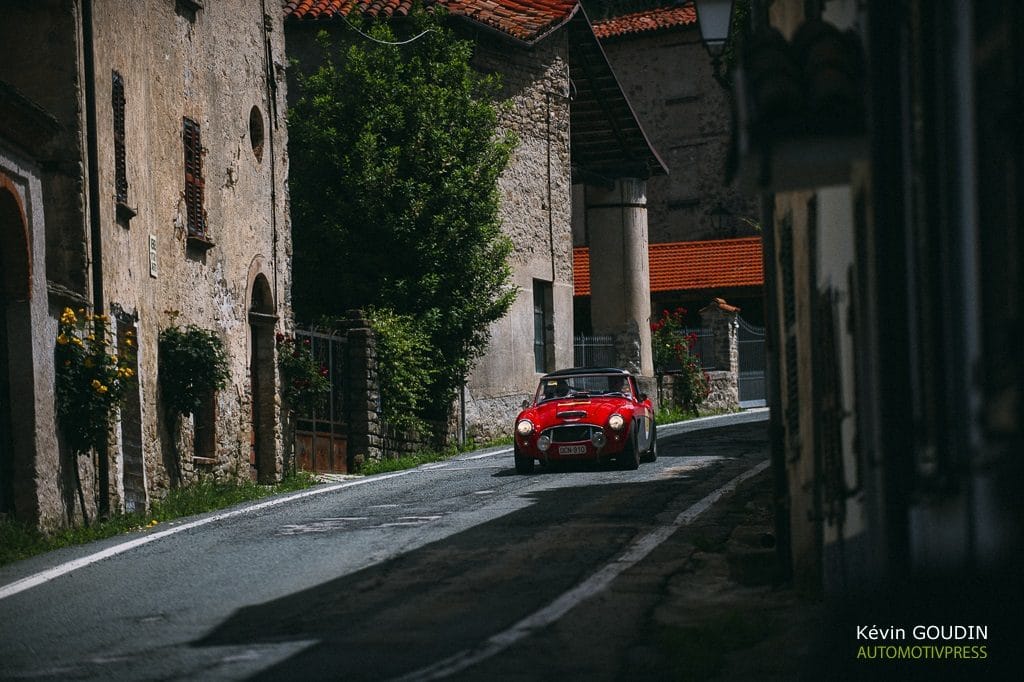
[585, 414]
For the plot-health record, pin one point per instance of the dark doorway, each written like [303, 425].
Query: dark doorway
[263, 452]
[14, 292]
[6, 437]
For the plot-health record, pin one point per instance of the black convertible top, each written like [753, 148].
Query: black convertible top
[577, 371]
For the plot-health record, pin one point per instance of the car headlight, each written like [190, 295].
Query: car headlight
[524, 427]
[543, 443]
[616, 422]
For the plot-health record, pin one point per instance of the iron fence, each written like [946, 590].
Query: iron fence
[594, 351]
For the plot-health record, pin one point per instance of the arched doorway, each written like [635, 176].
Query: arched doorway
[263, 452]
[14, 293]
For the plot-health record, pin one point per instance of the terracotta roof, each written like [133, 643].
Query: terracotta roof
[526, 20]
[648, 20]
[688, 266]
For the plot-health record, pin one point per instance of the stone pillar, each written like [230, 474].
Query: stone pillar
[362, 393]
[620, 282]
[722, 319]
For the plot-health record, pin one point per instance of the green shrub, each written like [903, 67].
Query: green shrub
[406, 367]
[193, 366]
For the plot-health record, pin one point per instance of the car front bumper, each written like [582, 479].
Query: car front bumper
[562, 449]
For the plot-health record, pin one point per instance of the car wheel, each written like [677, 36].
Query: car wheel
[630, 457]
[524, 465]
[652, 452]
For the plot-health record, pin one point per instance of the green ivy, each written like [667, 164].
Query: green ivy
[193, 366]
[92, 378]
[406, 367]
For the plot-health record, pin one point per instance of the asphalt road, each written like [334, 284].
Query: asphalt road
[458, 570]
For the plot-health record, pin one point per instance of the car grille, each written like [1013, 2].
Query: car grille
[572, 433]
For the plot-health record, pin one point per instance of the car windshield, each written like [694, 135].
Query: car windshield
[581, 385]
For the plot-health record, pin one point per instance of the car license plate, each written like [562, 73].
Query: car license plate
[572, 450]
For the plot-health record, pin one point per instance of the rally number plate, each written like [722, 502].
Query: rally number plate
[572, 450]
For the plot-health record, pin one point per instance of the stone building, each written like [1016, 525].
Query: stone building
[142, 176]
[890, 174]
[705, 228]
[575, 129]
[668, 77]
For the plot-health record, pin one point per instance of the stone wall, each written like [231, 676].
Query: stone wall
[667, 78]
[209, 64]
[536, 207]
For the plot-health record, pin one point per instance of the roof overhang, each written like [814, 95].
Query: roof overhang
[607, 139]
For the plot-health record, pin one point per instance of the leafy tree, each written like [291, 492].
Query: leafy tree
[395, 155]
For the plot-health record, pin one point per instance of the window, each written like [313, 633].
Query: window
[256, 132]
[117, 103]
[543, 327]
[194, 184]
[204, 434]
[120, 170]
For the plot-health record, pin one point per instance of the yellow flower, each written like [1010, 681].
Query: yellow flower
[102, 389]
[62, 339]
[128, 342]
[76, 341]
[128, 372]
[96, 384]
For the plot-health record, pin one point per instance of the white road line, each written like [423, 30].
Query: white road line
[495, 453]
[63, 569]
[597, 582]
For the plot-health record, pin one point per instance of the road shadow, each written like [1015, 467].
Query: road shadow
[413, 610]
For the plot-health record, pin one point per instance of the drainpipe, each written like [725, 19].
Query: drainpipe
[95, 220]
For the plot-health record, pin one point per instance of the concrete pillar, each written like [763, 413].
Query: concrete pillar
[620, 282]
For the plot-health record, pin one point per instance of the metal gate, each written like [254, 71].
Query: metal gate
[321, 438]
[752, 365]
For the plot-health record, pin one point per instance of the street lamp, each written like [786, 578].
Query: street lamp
[714, 20]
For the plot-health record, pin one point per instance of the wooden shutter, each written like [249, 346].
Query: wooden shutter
[120, 167]
[193, 178]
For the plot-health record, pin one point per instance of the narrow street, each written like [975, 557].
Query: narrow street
[461, 570]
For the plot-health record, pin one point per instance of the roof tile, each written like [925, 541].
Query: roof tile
[527, 20]
[688, 266]
[648, 20]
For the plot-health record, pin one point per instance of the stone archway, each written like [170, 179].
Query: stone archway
[263, 454]
[15, 286]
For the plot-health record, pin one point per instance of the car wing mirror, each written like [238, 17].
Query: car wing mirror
[642, 397]
[525, 404]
